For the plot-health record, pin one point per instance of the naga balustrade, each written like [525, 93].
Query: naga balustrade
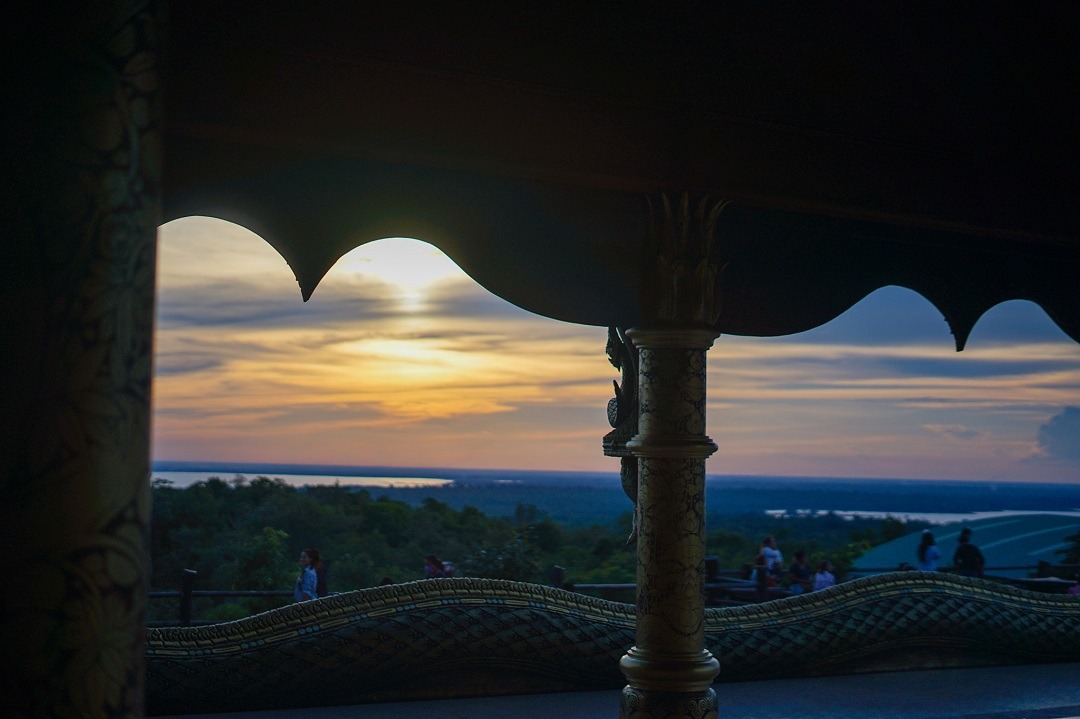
[460, 637]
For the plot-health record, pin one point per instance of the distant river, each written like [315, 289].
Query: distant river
[186, 479]
[931, 517]
[582, 498]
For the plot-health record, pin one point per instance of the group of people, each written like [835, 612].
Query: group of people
[311, 582]
[435, 567]
[967, 559]
[769, 570]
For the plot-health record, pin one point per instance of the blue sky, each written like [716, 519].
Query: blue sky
[400, 359]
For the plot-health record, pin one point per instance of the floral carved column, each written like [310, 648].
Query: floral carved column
[76, 321]
[668, 669]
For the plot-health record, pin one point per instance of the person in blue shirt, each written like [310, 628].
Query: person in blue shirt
[319, 565]
[306, 581]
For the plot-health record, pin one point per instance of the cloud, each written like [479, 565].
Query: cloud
[180, 363]
[1059, 439]
[338, 300]
[467, 299]
[890, 315]
[898, 316]
[1016, 321]
[245, 369]
[971, 368]
[251, 304]
[853, 362]
[956, 431]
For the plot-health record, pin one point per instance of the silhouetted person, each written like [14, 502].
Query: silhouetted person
[761, 578]
[799, 575]
[774, 560]
[433, 567]
[928, 552]
[967, 559]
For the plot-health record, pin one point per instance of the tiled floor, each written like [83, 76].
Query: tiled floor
[1047, 691]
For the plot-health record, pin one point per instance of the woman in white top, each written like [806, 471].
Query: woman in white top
[928, 552]
[774, 560]
[306, 582]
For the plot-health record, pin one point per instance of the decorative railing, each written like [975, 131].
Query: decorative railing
[475, 637]
[187, 595]
[728, 592]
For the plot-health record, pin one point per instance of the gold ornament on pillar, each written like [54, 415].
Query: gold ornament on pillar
[681, 287]
[622, 413]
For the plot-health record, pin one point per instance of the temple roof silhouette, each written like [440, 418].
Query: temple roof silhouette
[853, 147]
[676, 170]
[1006, 539]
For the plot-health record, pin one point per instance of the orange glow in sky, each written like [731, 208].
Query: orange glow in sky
[400, 359]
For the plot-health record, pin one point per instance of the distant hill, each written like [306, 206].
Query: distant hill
[597, 497]
[726, 496]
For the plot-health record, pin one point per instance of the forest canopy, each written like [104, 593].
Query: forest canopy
[245, 534]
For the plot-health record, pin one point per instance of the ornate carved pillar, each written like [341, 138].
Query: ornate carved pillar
[669, 671]
[76, 331]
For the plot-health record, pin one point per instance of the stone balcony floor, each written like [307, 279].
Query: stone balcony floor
[1045, 691]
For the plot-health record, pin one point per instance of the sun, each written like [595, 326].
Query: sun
[412, 267]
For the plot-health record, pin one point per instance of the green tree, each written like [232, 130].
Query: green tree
[260, 561]
[517, 560]
[241, 534]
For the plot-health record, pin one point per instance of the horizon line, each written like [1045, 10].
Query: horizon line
[364, 470]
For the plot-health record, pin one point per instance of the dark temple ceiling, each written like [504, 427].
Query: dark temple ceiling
[860, 145]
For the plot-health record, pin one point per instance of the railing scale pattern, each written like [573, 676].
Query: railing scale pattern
[475, 637]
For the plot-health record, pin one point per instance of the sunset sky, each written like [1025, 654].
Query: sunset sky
[399, 359]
